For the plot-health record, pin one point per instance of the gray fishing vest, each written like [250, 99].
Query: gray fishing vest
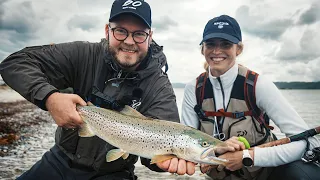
[242, 117]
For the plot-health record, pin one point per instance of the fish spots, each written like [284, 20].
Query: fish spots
[136, 135]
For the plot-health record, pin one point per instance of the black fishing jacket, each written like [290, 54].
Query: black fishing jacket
[37, 72]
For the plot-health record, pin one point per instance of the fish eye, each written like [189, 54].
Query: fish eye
[205, 144]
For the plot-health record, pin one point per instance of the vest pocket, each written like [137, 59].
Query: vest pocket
[246, 127]
[207, 127]
[67, 139]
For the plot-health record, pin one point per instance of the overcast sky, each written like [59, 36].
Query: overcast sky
[281, 38]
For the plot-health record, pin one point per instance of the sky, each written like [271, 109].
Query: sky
[281, 38]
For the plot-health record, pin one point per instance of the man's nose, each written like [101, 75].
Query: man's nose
[129, 39]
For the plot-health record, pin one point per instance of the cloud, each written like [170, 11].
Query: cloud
[306, 50]
[23, 21]
[1, 11]
[314, 72]
[280, 38]
[163, 23]
[302, 71]
[17, 26]
[84, 22]
[312, 15]
[258, 26]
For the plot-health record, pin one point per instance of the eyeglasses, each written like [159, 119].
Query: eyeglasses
[221, 44]
[122, 34]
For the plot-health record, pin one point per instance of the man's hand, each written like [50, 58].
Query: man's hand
[62, 108]
[179, 166]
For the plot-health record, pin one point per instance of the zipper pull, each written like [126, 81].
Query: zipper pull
[119, 74]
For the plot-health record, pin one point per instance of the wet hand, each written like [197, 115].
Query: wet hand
[179, 166]
[204, 168]
[235, 144]
[234, 159]
[62, 108]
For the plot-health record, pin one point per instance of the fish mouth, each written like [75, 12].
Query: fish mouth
[209, 156]
[209, 152]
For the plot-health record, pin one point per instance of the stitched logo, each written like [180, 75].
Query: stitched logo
[242, 133]
[131, 4]
[221, 24]
[135, 104]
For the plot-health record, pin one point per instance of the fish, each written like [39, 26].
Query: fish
[159, 140]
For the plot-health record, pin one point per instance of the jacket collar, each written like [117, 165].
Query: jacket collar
[154, 60]
[227, 79]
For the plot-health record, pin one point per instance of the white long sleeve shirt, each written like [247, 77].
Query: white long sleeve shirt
[270, 100]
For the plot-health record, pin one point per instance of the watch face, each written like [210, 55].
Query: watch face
[247, 161]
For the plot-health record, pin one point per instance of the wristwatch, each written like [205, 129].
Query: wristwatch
[246, 158]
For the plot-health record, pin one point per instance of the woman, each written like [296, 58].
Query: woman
[229, 100]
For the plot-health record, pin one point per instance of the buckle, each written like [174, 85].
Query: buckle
[238, 114]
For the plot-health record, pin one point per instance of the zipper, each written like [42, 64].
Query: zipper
[229, 129]
[224, 106]
[223, 96]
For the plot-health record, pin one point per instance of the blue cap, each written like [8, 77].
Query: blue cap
[224, 27]
[138, 8]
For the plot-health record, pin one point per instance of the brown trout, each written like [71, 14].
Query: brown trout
[158, 140]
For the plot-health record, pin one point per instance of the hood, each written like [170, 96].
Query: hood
[153, 61]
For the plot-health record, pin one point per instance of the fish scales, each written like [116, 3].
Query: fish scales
[138, 135]
[148, 137]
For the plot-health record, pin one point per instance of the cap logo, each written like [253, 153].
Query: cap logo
[131, 4]
[221, 24]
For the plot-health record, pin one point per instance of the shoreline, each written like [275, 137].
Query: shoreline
[27, 132]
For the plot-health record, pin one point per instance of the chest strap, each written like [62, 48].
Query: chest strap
[249, 97]
[222, 113]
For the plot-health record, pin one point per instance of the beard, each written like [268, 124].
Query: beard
[126, 61]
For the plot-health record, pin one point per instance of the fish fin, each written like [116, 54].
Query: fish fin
[115, 154]
[125, 155]
[129, 111]
[161, 158]
[85, 131]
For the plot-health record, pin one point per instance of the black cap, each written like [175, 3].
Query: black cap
[224, 27]
[138, 8]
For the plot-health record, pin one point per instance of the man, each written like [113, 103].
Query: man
[124, 68]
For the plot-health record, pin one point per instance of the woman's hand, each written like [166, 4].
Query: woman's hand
[235, 143]
[234, 159]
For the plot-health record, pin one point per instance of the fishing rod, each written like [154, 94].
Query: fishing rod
[310, 155]
[301, 136]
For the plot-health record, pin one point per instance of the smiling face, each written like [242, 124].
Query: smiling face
[220, 54]
[128, 53]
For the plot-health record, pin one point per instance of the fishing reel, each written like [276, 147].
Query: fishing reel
[312, 156]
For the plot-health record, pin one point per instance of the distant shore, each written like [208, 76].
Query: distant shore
[280, 85]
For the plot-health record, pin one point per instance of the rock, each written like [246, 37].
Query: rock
[8, 139]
